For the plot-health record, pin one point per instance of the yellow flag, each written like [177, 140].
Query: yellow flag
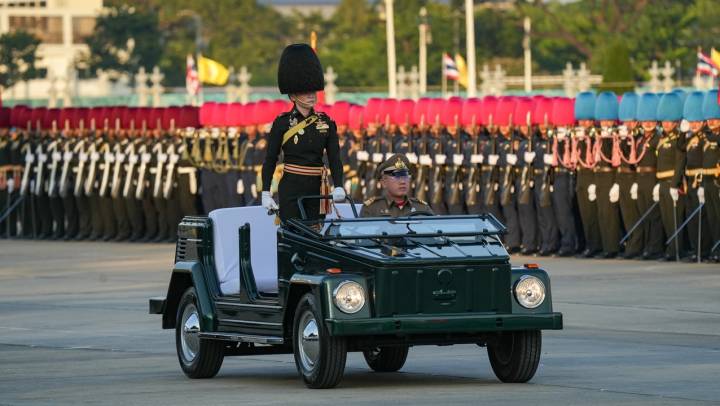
[462, 70]
[715, 56]
[212, 72]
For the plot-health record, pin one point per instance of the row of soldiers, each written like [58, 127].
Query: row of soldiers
[552, 169]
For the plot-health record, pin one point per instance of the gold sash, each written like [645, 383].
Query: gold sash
[297, 127]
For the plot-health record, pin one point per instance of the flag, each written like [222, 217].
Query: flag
[212, 72]
[192, 84]
[705, 65]
[462, 70]
[450, 69]
[715, 57]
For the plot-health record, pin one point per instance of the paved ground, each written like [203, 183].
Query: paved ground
[74, 330]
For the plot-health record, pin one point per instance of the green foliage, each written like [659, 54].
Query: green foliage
[125, 39]
[18, 57]
[617, 71]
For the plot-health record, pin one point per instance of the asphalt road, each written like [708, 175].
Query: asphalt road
[74, 329]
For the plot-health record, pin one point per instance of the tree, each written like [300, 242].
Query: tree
[124, 40]
[18, 56]
[617, 70]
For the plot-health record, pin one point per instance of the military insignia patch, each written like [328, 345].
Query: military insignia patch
[293, 122]
[321, 125]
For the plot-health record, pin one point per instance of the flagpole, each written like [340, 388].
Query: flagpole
[444, 77]
[390, 34]
[470, 41]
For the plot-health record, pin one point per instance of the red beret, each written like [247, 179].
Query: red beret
[434, 110]
[403, 112]
[487, 109]
[451, 111]
[355, 117]
[420, 110]
[372, 110]
[563, 111]
[470, 111]
[387, 110]
[523, 107]
[542, 108]
[52, 115]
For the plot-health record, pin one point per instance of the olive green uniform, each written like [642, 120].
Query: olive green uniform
[384, 206]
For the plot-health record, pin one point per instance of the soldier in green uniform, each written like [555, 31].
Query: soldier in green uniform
[394, 175]
[710, 190]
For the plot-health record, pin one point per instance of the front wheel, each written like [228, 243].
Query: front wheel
[386, 359]
[319, 357]
[515, 355]
[199, 357]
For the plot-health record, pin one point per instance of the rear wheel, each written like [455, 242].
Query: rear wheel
[199, 357]
[386, 359]
[319, 357]
[515, 355]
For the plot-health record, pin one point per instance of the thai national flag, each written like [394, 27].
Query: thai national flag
[450, 68]
[706, 66]
[192, 82]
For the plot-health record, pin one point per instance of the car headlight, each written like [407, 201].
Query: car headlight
[530, 291]
[349, 297]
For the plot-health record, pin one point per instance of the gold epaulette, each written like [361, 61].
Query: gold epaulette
[369, 201]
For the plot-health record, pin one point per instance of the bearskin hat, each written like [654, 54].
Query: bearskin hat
[299, 70]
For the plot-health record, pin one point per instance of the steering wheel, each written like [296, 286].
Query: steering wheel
[420, 213]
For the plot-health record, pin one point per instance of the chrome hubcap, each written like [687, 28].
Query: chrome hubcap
[189, 339]
[308, 339]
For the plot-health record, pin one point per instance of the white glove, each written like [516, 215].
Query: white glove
[56, 156]
[389, 154]
[240, 187]
[529, 157]
[580, 132]
[592, 195]
[614, 193]
[425, 160]
[548, 159]
[146, 157]
[133, 159]
[458, 159]
[94, 156]
[43, 157]
[656, 193]
[377, 157]
[674, 194]
[412, 157]
[363, 156]
[268, 202]
[83, 156]
[253, 191]
[338, 194]
[477, 158]
[174, 158]
[511, 159]
[67, 156]
[440, 159]
[701, 195]
[10, 185]
[492, 159]
[109, 157]
[684, 126]
[162, 158]
[633, 191]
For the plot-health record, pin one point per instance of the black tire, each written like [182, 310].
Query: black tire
[321, 366]
[206, 356]
[386, 359]
[515, 355]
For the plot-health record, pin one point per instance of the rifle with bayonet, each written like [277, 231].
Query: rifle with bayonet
[455, 172]
[437, 175]
[526, 177]
[490, 196]
[472, 189]
[546, 188]
[509, 178]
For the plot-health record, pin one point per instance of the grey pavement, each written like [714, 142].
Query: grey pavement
[74, 330]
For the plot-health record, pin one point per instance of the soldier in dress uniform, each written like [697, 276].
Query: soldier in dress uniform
[563, 182]
[394, 174]
[543, 172]
[454, 158]
[606, 188]
[304, 137]
[648, 190]
[711, 171]
[489, 183]
[585, 189]
[6, 170]
[507, 159]
[626, 176]
[524, 176]
[670, 172]
[472, 148]
[698, 226]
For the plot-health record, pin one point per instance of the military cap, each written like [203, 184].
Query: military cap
[683, 94]
[542, 110]
[585, 106]
[670, 107]
[523, 109]
[711, 107]
[563, 114]
[299, 70]
[628, 107]
[692, 110]
[647, 107]
[606, 106]
[396, 165]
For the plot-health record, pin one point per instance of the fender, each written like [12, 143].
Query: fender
[184, 275]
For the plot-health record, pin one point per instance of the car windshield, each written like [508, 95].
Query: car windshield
[386, 227]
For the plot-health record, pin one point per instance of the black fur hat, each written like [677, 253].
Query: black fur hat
[299, 70]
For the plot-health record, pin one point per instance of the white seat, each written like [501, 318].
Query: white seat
[263, 245]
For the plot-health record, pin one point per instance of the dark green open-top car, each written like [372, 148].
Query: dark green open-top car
[318, 289]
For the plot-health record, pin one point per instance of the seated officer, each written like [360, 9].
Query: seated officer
[394, 176]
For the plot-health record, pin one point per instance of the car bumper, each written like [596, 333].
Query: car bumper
[444, 324]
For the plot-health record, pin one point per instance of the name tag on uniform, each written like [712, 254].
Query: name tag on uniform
[321, 126]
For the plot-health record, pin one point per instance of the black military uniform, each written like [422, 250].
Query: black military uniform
[506, 192]
[693, 179]
[625, 178]
[547, 224]
[670, 173]
[454, 173]
[711, 185]
[524, 179]
[303, 140]
[651, 230]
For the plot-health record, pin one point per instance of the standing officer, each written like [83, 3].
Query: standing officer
[563, 176]
[698, 226]
[543, 173]
[670, 171]
[711, 170]
[626, 177]
[394, 174]
[303, 136]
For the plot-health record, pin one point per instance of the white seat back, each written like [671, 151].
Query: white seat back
[263, 245]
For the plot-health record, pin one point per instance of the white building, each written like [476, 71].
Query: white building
[62, 26]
